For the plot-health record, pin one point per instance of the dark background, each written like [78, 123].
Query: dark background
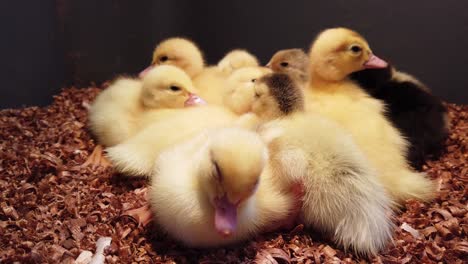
[50, 44]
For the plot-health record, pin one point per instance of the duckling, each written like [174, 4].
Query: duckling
[420, 116]
[224, 190]
[343, 197]
[237, 59]
[180, 52]
[239, 92]
[334, 55]
[293, 62]
[136, 155]
[115, 114]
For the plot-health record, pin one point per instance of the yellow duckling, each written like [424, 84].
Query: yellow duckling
[129, 104]
[117, 111]
[335, 54]
[217, 189]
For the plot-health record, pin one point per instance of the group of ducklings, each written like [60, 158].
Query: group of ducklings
[332, 139]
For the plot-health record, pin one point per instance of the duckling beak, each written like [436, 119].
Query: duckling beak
[225, 216]
[194, 100]
[375, 62]
[145, 71]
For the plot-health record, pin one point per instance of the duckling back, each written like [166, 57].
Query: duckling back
[364, 117]
[342, 193]
[136, 156]
[113, 114]
[211, 83]
[420, 116]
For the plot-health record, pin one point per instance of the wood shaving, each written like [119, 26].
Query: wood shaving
[52, 209]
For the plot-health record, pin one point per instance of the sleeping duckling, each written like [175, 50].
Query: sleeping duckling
[115, 114]
[239, 93]
[223, 191]
[136, 155]
[420, 116]
[293, 62]
[236, 59]
[342, 195]
[334, 55]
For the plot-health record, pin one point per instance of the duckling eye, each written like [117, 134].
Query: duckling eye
[163, 58]
[284, 64]
[254, 80]
[355, 49]
[174, 88]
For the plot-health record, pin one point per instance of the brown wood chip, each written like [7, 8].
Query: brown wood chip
[52, 208]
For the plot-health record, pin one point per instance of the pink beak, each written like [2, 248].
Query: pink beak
[194, 100]
[375, 62]
[225, 217]
[145, 71]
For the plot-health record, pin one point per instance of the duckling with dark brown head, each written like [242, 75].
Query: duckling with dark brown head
[294, 62]
[277, 95]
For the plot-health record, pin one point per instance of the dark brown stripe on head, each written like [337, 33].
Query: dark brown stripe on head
[285, 91]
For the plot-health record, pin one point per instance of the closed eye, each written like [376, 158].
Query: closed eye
[218, 173]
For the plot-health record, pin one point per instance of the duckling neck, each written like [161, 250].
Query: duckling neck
[318, 83]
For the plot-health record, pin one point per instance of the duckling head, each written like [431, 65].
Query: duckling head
[338, 52]
[167, 86]
[277, 95]
[240, 92]
[179, 52]
[293, 62]
[237, 159]
[237, 59]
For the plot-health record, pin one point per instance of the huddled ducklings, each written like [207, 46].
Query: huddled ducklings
[210, 80]
[420, 116]
[413, 110]
[217, 189]
[334, 55]
[342, 195]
